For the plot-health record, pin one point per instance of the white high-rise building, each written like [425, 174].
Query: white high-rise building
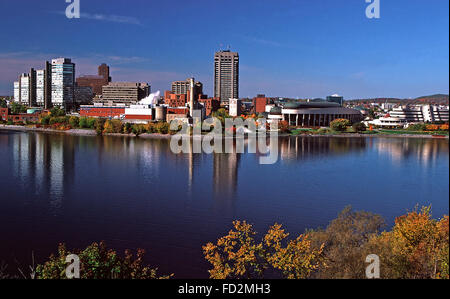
[24, 89]
[40, 87]
[63, 82]
[16, 91]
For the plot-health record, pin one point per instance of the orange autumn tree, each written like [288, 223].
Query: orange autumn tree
[416, 248]
[237, 255]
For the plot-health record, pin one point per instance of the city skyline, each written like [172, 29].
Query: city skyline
[304, 49]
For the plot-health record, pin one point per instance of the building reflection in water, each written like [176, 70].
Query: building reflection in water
[426, 151]
[44, 164]
[225, 175]
[301, 148]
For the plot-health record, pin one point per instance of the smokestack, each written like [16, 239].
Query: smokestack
[191, 97]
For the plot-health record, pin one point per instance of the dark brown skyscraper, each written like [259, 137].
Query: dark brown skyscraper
[103, 71]
[96, 82]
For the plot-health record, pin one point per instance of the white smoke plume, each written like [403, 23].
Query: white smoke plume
[152, 99]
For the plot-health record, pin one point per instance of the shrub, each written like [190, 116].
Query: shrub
[432, 127]
[91, 123]
[98, 262]
[340, 124]
[359, 127]
[56, 111]
[323, 131]
[83, 123]
[45, 120]
[99, 125]
[162, 128]
[57, 120]
[138, 129]
[417, 127]
[113, 126]
[74, 121]
[444, 127]
[127, 128]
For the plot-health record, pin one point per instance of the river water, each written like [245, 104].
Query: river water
[135, 193]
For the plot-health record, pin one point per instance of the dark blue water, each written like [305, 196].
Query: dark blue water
[134, 193]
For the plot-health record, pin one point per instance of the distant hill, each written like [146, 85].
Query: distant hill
[438, 96]
[437, 99]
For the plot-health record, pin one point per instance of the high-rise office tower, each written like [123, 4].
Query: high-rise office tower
[226, 75]
[63, 82]
[44, 86]
[25, 89]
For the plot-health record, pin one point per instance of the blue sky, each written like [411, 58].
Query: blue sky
[292, 48]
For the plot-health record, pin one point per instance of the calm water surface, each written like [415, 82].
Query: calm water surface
[134, 193]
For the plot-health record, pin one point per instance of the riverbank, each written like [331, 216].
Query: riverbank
[91, 132]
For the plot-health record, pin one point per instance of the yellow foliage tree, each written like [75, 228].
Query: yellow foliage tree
[416, 248]
[237, 255]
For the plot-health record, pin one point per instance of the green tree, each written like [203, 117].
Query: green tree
[127, 128]
[83, 123]
[56, 112]
[74, 121]
[359, 127]
[99, 125]
[417, 127]
[340, 124]
[18, 108]
[98, 262]
[162, 128]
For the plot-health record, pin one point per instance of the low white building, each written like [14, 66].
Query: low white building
[139, 113]
[235, 107]
[403, 116]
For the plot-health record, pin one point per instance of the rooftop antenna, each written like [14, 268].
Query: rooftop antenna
[221, 47]
[228, 47]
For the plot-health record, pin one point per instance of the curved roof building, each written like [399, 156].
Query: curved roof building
[314, 114]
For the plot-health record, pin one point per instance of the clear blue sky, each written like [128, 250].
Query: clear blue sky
[293, 48]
